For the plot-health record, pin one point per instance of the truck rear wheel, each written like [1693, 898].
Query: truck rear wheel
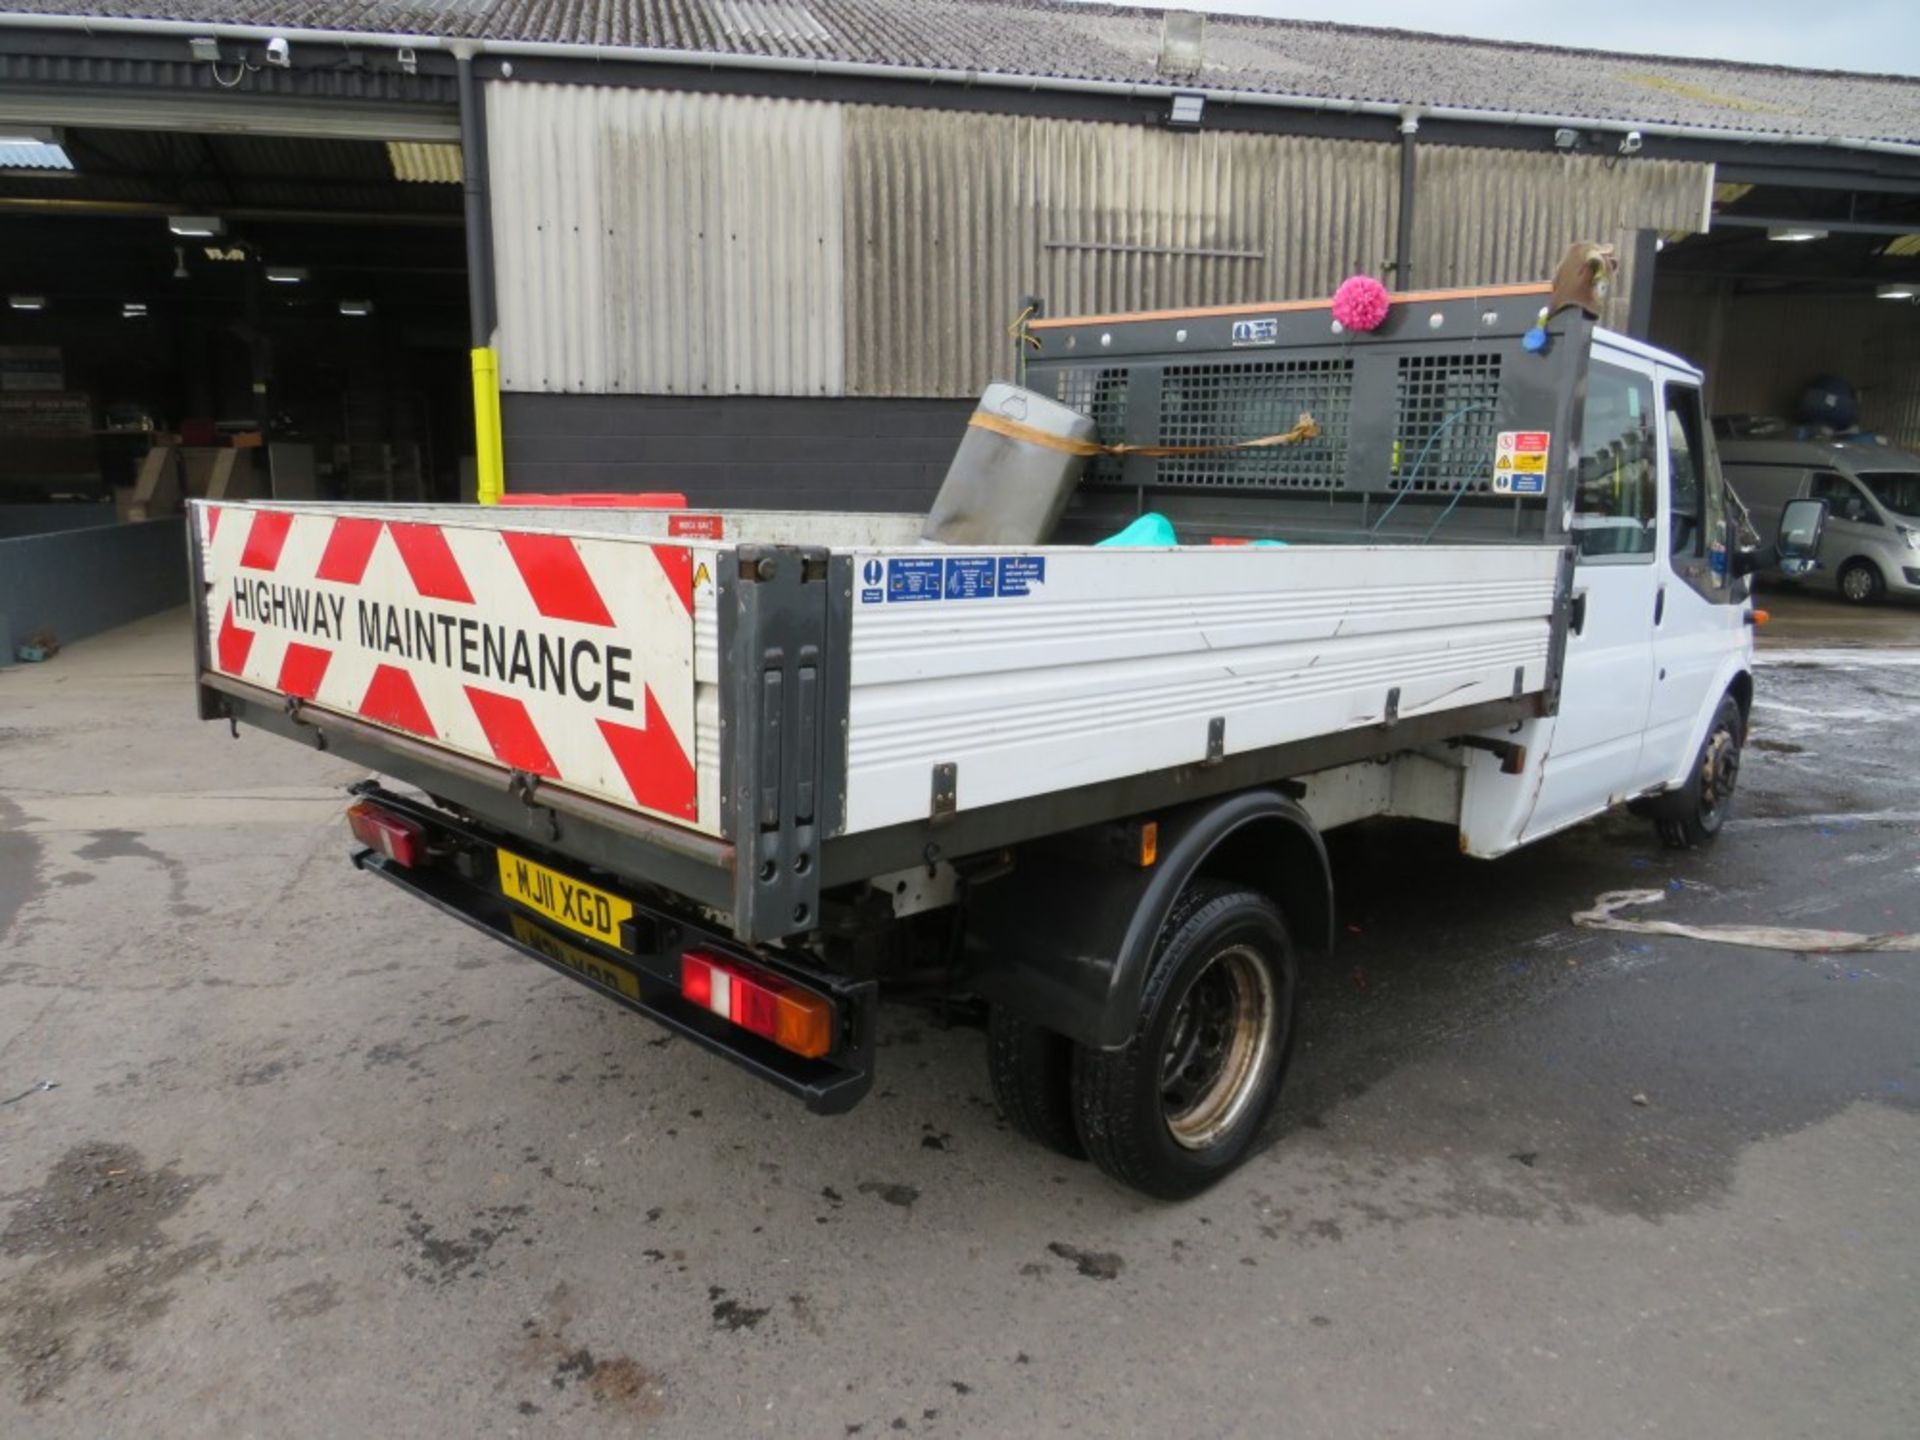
[1031, 1070]
[1182, 1103]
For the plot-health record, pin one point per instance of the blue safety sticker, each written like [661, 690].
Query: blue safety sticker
[1018, 573]
[1528, 485]
[970, 577]
[913, 579]
[872, 576]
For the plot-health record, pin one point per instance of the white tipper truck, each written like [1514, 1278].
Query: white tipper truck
[740, 770]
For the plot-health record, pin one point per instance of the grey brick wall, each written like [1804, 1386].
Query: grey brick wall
[735, 451]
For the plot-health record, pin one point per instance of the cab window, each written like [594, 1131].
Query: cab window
[1616, 502]
[1696, 496]
[1843, 497]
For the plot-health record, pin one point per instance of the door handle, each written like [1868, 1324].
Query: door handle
[1659, 604]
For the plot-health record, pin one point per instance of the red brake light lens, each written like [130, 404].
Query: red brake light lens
[401, 840]
[758, 1001]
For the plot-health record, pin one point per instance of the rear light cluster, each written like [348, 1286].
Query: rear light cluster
[401, 840]
[759, 1001]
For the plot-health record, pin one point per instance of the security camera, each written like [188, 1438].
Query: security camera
[278, 54]
[1631, 142]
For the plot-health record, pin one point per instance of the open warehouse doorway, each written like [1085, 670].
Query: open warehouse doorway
[288, 315]
[1800, 302]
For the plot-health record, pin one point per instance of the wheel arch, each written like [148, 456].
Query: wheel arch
[1079, 968]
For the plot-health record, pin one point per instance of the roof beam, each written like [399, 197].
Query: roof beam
[1816, 222]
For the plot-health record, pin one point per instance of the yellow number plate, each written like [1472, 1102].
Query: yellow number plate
[581, 908]
[566, 953]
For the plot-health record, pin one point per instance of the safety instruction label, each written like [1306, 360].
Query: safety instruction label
[953, 577]
[1520, 462]
[970, 577]
[1020, 573]
[913, 579]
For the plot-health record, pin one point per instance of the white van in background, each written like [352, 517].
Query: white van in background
[1872, 545]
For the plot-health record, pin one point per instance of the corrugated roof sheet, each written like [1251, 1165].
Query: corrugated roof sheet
[32, 155]
[1042, 38]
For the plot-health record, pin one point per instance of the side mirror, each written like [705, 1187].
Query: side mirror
[1802, 523]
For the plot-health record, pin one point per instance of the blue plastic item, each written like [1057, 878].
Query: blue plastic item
[1152, 528]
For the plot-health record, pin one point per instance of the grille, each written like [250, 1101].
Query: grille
[1213, 404]
[1099, 393]
[1446, 407]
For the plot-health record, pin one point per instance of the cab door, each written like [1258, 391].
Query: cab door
[1593, 750]
[1697, 623]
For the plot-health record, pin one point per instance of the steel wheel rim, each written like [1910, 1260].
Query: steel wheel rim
[1857, 583]
[1219, 1047]
[1719, 769]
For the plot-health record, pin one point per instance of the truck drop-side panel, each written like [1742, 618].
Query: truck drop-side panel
[1030, 672]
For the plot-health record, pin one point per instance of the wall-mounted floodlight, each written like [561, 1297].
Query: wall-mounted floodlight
[204, 47]
[30, 303]
[1898, 290]
[1186, 111]
[356, 307]
[197, 227]
[286, 274]
[1795, 234]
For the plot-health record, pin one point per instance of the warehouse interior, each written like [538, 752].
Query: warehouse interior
[1804, 278]
[280, 315]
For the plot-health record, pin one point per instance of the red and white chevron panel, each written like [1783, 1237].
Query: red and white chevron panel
[570, 657]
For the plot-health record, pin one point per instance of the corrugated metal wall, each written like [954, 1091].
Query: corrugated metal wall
[1770, 346]
[952, 218]
[650, 242]
[1502, 217]
[669, 243]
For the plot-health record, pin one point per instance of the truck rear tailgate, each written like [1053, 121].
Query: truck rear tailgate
[567, 657]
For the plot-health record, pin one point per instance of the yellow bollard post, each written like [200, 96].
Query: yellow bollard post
[489, 471]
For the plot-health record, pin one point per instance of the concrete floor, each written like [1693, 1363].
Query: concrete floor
[320, 1163]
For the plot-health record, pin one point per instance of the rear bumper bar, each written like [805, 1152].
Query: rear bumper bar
[646, 979]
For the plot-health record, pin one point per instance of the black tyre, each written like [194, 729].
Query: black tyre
[1861, 583]
[1183, 1102]
[1031, 1070]
[1693, 814]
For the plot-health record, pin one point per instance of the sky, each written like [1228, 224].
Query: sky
[1876, 35]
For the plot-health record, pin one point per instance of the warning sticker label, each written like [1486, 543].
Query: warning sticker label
[1520, 462]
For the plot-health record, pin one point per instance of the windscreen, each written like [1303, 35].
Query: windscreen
[1898, 490]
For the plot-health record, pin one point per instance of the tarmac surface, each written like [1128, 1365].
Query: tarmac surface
[282, 1154]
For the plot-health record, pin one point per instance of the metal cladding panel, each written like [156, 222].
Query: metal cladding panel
[1497, 217]
[653, 242]
[953, 218]
[1037, 671]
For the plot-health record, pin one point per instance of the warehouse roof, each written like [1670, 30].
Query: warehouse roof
[1047, 39]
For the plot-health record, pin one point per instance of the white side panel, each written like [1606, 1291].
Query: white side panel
[1101, 663]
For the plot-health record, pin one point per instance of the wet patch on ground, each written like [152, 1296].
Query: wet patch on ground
[561, 1369]
[101, 1267]
[131, 845]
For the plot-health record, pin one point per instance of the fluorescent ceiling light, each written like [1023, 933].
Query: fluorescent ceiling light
[1795, 234]
[286, 274]
[356, 307]
[133, 310]
[1898, 290]
[197, 227]
[27, 302]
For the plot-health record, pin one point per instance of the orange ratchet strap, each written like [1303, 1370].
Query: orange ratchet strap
[1304, 429]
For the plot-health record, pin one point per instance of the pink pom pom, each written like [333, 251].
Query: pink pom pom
[1360, 303]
